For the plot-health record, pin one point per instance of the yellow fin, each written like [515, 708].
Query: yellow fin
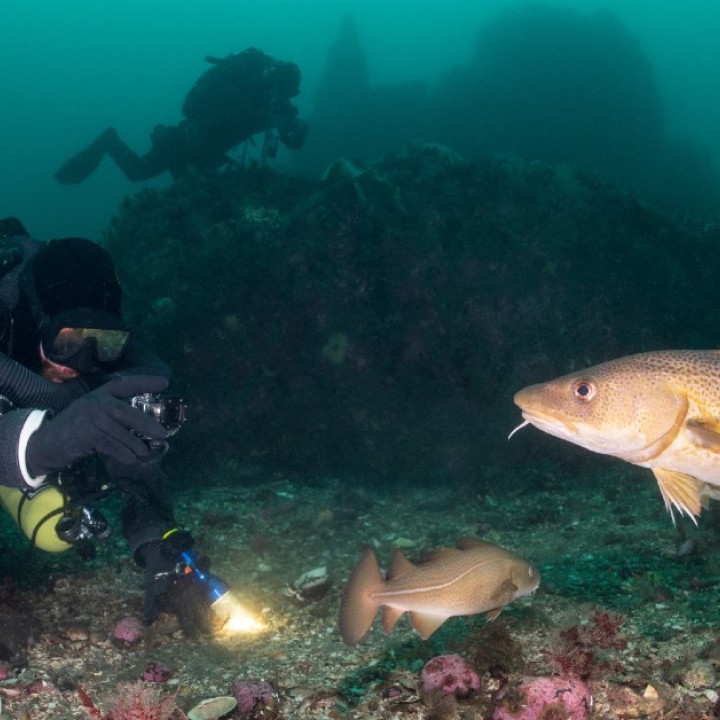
[680, 491]
[425, 625]
[705, 433]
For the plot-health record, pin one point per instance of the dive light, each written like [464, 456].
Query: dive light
[227, 609]
[214, 587]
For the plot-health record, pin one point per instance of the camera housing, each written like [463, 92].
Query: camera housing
[169, 410]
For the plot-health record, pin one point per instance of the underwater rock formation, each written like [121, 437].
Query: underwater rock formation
[380, 321]
[557, 85]
[536, 698]
[451, 675]
[356, 119]
[544, 83]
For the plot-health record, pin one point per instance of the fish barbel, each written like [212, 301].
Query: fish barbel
[659, 410]
[476, 577]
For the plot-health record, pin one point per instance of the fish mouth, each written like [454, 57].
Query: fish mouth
[567, 430]
[550, 424]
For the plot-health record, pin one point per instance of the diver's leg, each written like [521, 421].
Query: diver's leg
[84, 163]
[135, 167]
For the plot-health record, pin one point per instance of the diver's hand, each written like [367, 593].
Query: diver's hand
[99, 422]
[170, 591]
[161, 559]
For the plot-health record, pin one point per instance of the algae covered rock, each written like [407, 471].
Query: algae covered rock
[380, 320]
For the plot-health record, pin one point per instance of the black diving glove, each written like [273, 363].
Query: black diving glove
[99, 422]
[168, 589]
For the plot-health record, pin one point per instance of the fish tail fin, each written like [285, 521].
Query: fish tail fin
[357, 607]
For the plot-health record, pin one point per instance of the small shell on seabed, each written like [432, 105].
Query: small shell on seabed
[623, 702]
[213, 708]
[309, 587]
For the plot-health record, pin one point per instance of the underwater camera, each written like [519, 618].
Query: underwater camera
[169, 410]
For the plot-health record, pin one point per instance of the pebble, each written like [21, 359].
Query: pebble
[213, 708]
[77, 634]
[403, 543]
[157, 672]
[623, 702]
[699, 675]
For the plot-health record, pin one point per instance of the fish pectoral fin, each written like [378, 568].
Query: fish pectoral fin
[424, 624]
[504, 594]
[680, 491]
[390, 616]
[490, 615]
[705, 433]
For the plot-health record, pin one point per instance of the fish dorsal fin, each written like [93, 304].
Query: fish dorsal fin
[439, 554]
[390, 616]
[399, 565]
[424, 624]
[471, 543]
[680, 491]
[705, 433]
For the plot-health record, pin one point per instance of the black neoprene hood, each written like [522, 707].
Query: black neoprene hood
[73, 273]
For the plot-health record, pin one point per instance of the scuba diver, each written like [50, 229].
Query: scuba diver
[241, 95]
[83, 412]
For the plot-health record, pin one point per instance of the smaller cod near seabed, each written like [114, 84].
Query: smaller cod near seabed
[659, 410]
[475, 577]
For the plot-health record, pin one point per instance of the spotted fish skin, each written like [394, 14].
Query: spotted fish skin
[659, 410]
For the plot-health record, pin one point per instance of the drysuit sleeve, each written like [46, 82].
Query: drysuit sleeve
[148, 511]
[16, 427]
[24, 388]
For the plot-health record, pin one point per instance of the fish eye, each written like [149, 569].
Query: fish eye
[584, 390]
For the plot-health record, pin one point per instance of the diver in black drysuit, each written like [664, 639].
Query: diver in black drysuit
[60, 318]
[241, 95]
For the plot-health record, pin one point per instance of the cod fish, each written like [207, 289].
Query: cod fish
[475, 577]
[659, 410]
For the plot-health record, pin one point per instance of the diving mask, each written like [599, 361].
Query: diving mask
[82, 337]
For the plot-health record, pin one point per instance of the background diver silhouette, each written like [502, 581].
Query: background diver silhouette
[241, 95]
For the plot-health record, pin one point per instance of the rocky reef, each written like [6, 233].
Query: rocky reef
[543, 83]
[378, 321]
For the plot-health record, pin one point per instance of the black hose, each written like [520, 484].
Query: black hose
[10, 281]
[24, 388]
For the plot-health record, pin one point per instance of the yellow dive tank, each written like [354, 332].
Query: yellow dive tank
[37, 515]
